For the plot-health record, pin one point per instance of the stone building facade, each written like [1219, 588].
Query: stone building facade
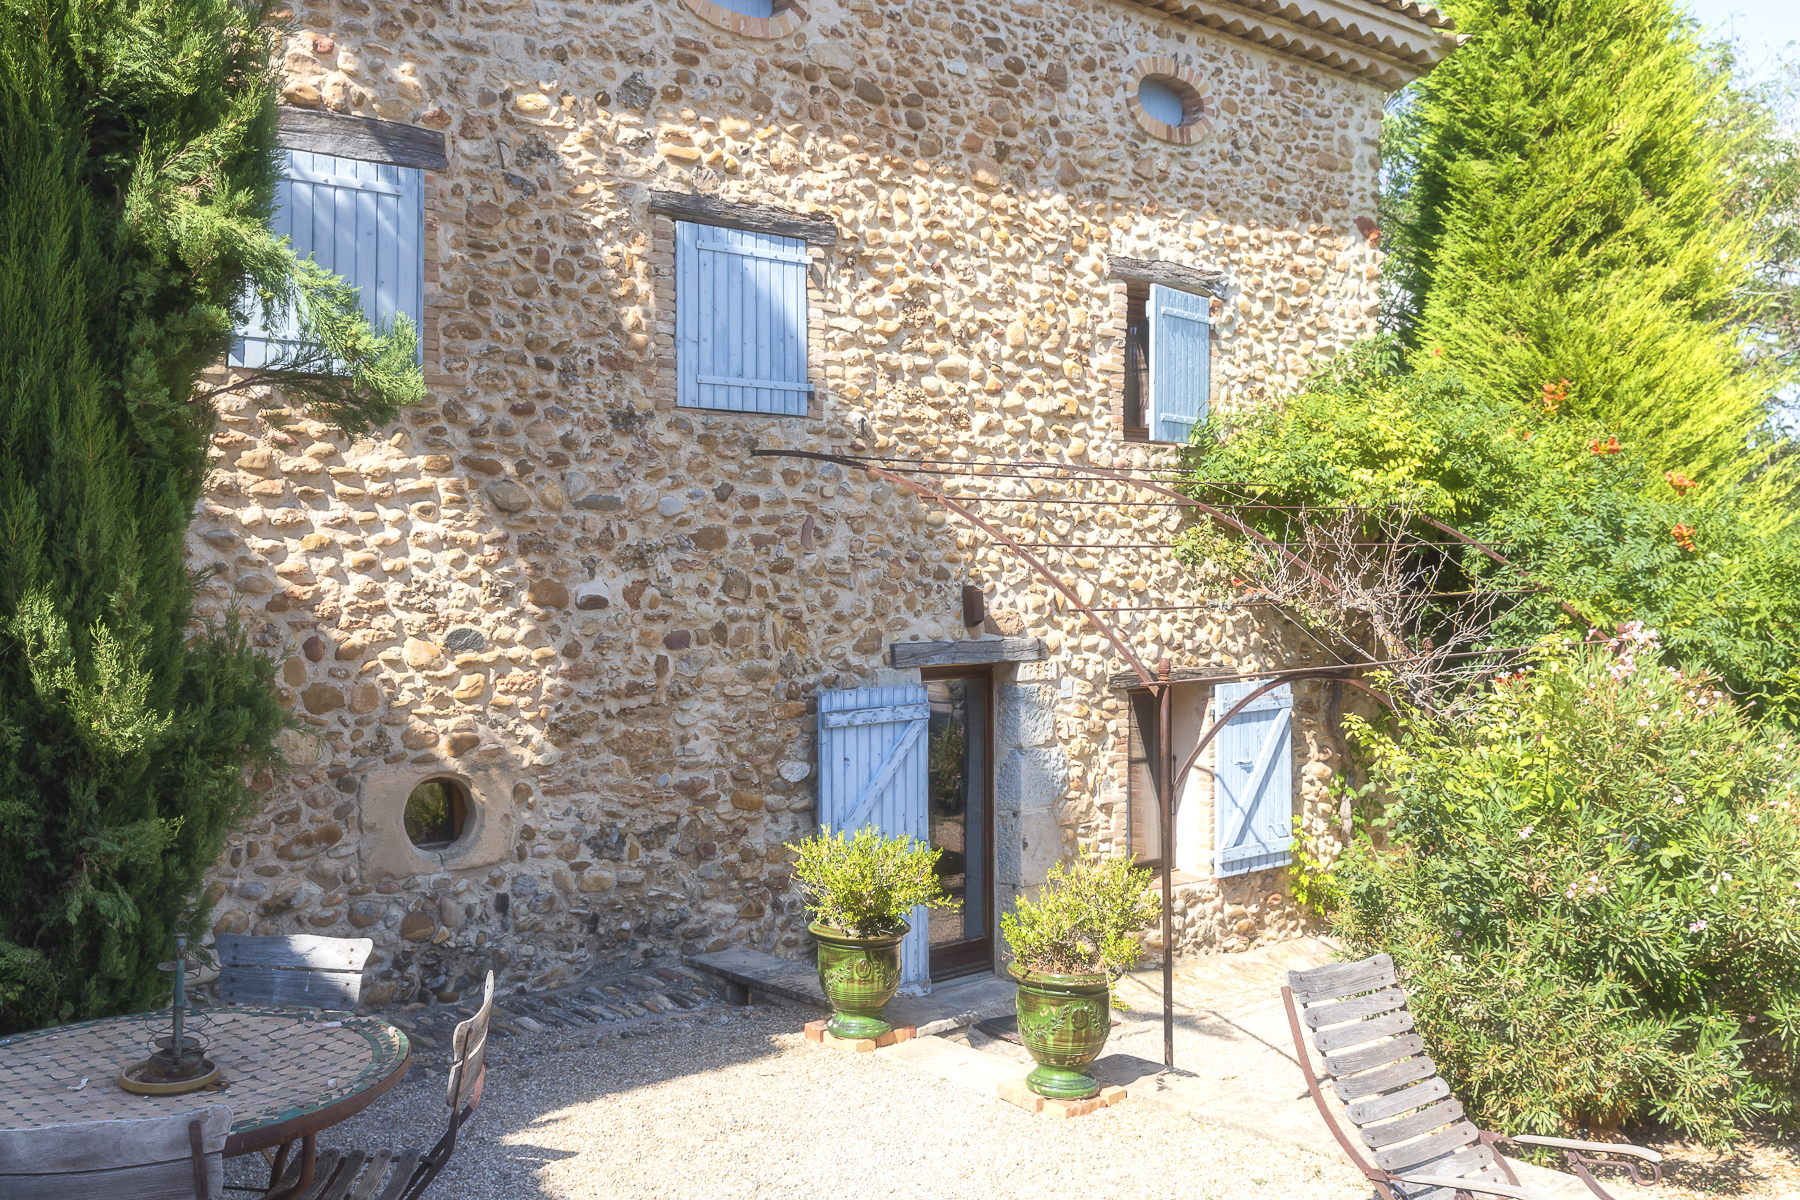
[606, 620]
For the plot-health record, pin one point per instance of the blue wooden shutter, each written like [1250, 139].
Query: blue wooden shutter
[1180, 363]
[1253, 788]
[873, 766]
[364, 221]
[740, 321]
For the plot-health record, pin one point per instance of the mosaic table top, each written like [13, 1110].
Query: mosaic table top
[283, 1064]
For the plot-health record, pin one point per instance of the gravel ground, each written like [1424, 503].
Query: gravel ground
[735, 1103]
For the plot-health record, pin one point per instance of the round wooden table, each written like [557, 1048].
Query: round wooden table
[292, 1072]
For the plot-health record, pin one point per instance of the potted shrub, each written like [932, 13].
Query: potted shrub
[859, 890]
[1069, 944]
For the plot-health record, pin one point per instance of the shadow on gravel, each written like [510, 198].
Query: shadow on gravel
[539, 1080]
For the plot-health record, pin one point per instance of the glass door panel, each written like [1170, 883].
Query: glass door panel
[959, 819]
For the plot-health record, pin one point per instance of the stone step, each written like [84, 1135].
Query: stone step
[949, 1006]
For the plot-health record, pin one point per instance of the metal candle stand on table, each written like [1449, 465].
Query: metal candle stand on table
[177, 1061]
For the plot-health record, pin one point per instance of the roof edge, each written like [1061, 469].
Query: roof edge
[1388, 42]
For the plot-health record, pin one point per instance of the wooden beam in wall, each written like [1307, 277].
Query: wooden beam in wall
[820, 230]
[1127, 681]
[362, 138]
[1168, 274]
[961, 654]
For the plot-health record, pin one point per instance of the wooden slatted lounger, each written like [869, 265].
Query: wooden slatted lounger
[1415, 1143]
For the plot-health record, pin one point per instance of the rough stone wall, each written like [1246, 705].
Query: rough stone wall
[609, 619]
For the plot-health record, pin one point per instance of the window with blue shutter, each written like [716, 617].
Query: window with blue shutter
[1180, 354]
[362, 220]
[740, 321]
[1253, 780]
[874, 770]
[1143, 787]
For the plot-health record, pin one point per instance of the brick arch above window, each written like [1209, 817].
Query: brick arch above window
[1187, 83]
[785, 16]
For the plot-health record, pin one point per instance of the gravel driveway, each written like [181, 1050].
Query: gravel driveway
[735, 1103]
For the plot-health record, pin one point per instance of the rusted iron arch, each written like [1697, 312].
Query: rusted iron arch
[1224, 518]
[1495, 556]
[1216, 514]
[1043, 571]
[1159, 682]
[1178, 498]
[1331, 673]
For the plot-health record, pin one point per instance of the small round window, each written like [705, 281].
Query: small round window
[1167, 101]
[1161, 102]
[751, 18]
[435, 812]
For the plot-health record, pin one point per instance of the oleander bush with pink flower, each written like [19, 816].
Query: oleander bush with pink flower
[1589, 878]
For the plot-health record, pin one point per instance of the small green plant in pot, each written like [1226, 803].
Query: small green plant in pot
[859, 890]
[1069, 944]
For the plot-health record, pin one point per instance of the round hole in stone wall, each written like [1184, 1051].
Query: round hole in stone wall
[1169, 101]
[435, 812]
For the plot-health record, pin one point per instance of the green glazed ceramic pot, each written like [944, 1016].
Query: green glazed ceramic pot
[1064, 1020]
[859, 976]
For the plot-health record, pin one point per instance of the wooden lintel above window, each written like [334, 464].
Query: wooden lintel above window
[819, 230]
[1130, 681]
[362, 138]
[970, 653]
[1168, 274]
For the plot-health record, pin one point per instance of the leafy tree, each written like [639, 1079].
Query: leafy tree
[1606, 536]
[1568, 204]
[137, 175]
[1768, 187]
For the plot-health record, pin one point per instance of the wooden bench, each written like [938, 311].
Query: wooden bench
[298, 971]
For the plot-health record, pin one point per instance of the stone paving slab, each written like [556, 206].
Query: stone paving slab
[955, 1063]
[1235, 1065]
[612, 997]
[763, 974]
[949, 1006]
[955, 1005]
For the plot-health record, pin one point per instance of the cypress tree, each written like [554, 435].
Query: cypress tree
[137, 173]
[1565, 209]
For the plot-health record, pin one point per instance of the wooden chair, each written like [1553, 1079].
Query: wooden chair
[1415, 1144]
[410, 1172]
[299, 971]
[176, 1157]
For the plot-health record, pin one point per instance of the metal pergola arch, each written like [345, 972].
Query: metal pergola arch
[1158, 681]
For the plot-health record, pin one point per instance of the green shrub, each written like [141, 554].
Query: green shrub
[867, 884]
[1086, 919]
[1589, 888]
[1711, 565]
[138, 164]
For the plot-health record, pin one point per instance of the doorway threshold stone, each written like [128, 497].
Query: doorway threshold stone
[954, 1005]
